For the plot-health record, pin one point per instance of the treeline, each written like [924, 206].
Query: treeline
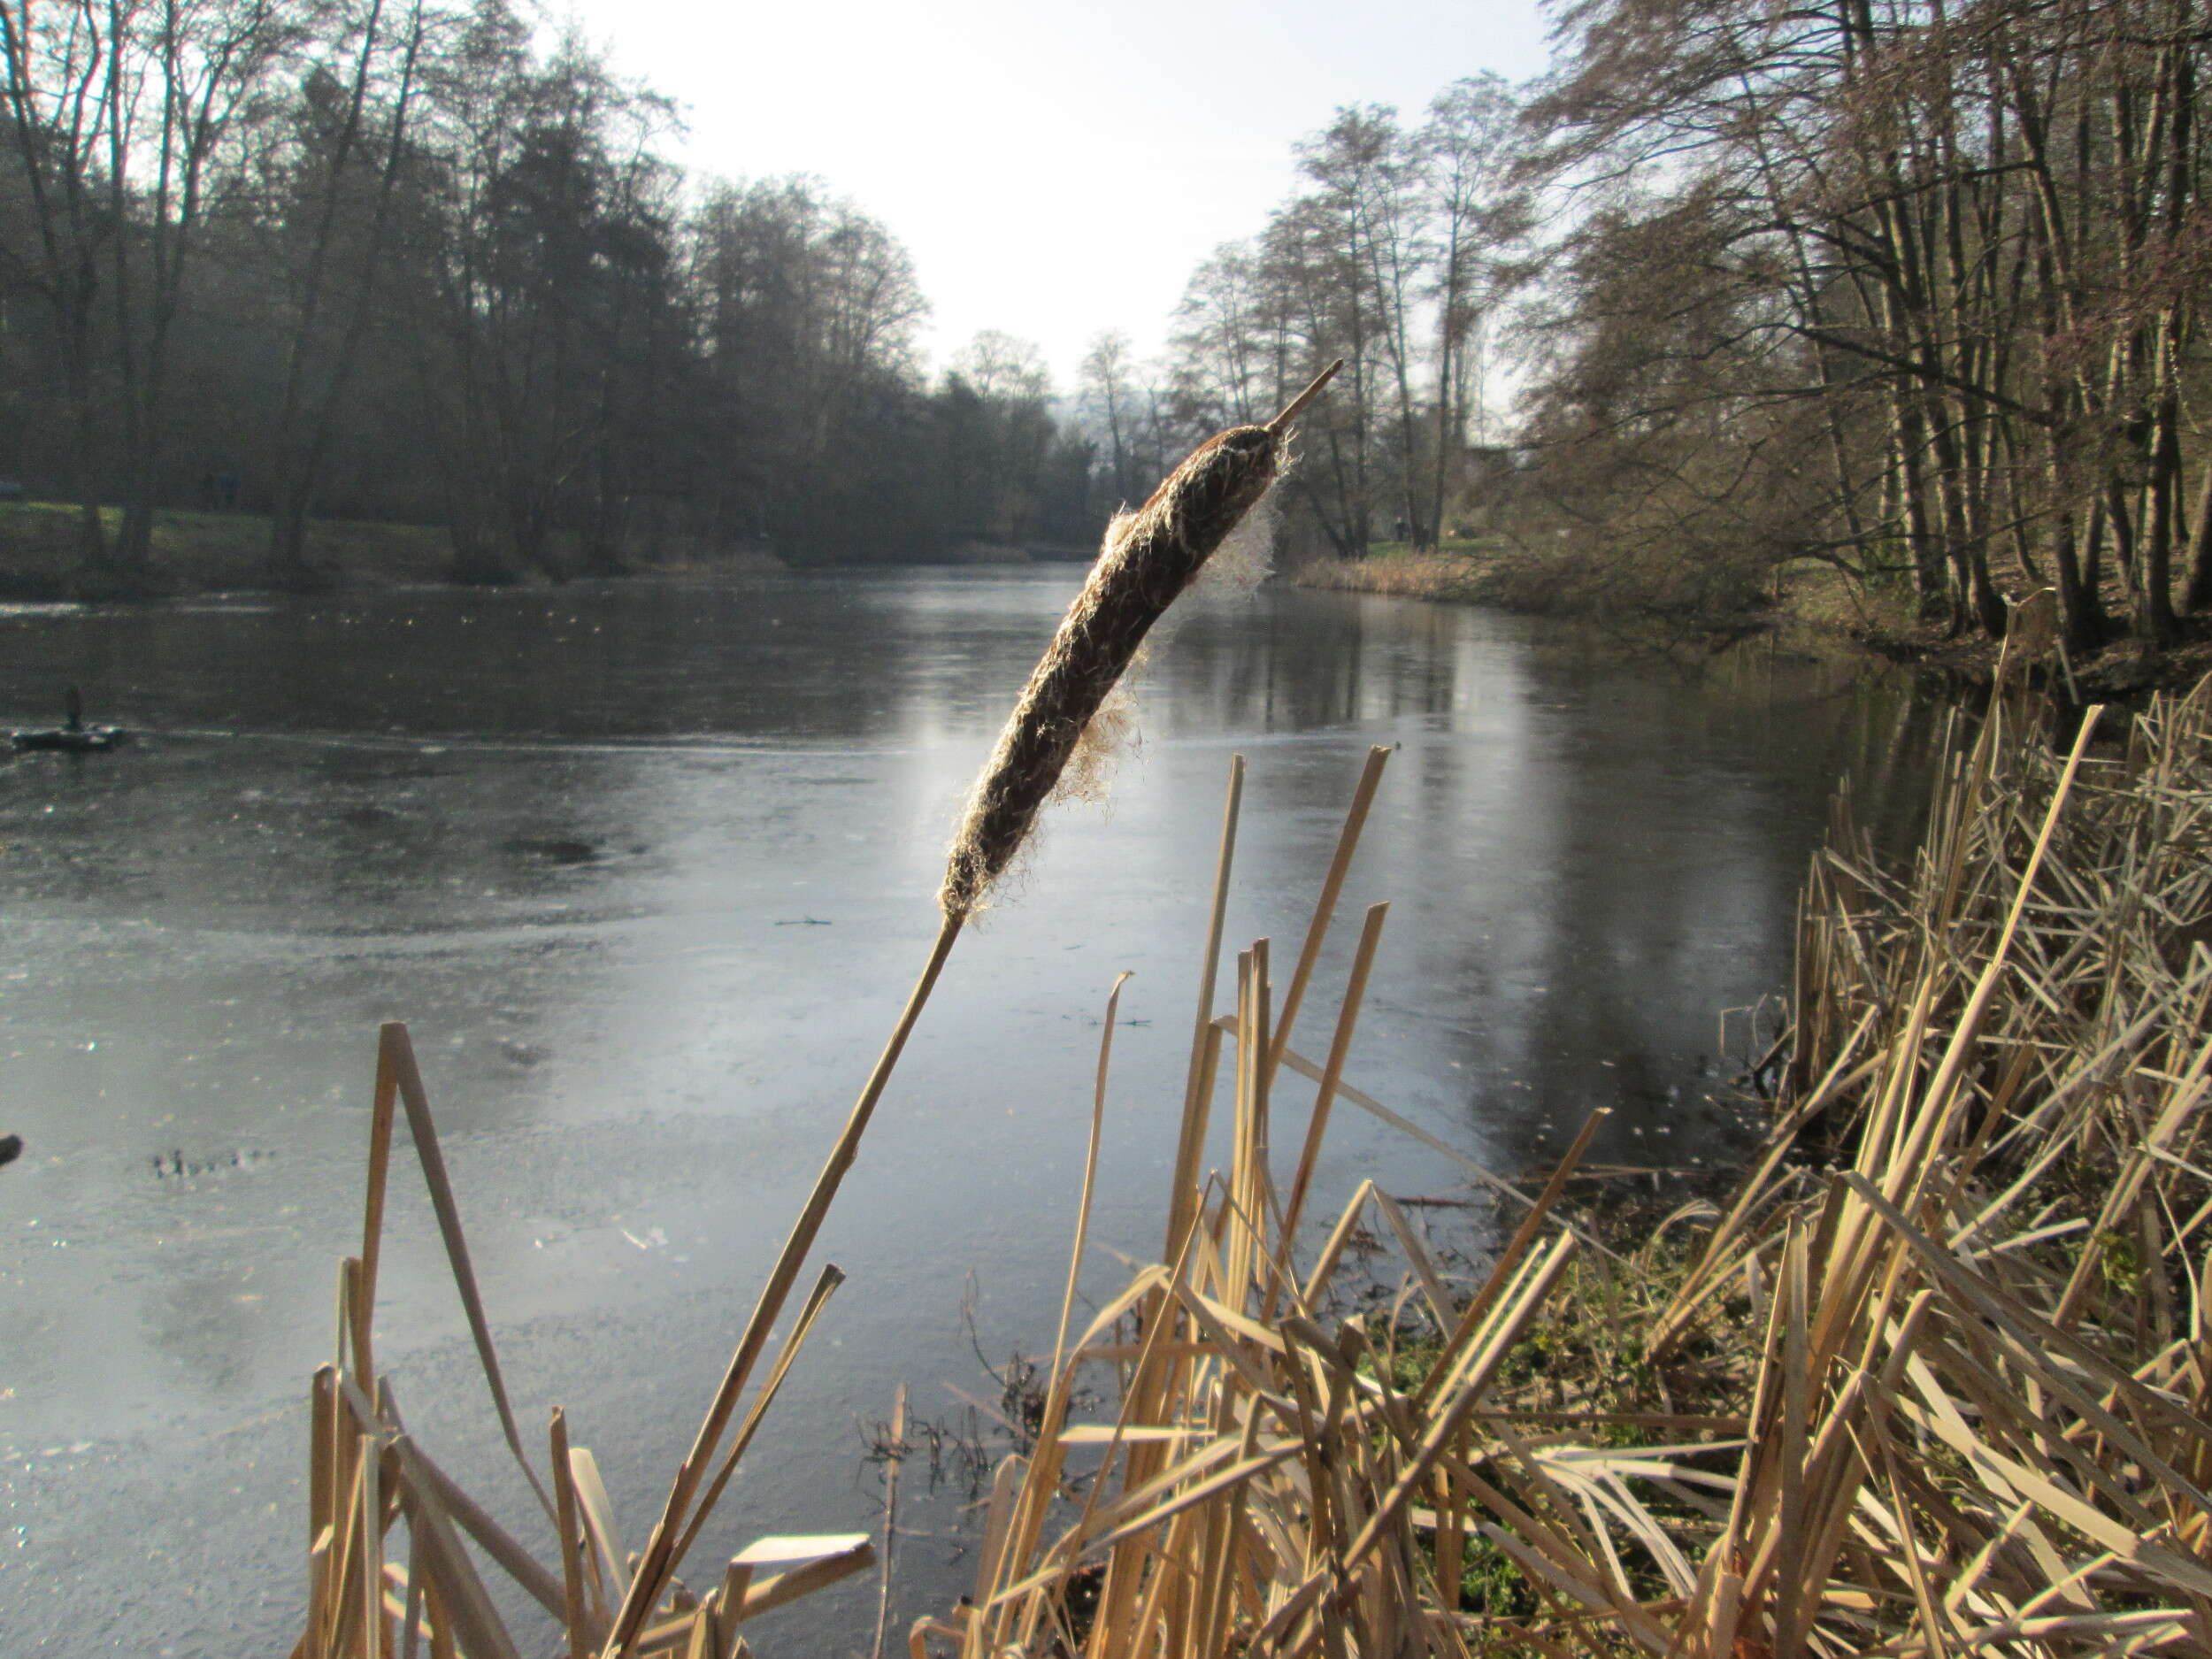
[1398, 254]
[389, 259]
[1913, 289]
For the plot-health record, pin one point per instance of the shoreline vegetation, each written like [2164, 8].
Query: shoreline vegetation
[1932, 1378]
[437, 266]
[1811, 607]
[198, 553]
[1934, 1375]
[1904, 301]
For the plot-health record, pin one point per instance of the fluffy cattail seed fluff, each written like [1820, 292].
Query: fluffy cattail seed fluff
[1150, 557]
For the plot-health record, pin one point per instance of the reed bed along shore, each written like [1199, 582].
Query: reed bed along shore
[1934, 1379]
[1455, 577]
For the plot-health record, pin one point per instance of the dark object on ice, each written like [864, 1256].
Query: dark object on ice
[74, 736]
[555, 849]
[10, 1149]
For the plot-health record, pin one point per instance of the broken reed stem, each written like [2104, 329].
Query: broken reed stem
[896, 1460]
[1202, 1042]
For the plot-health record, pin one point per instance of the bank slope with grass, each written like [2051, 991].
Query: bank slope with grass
[1459, 570]
[42, 556]
[41, 552]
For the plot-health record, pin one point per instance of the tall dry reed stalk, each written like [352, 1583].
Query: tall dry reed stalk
[1147, 562]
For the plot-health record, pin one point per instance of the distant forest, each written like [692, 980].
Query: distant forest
[1912, 291]
[386, 259]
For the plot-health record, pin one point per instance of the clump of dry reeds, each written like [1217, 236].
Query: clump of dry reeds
[1450, 576]
[368, 1471]
[1945, 1395]
[1264, 1486]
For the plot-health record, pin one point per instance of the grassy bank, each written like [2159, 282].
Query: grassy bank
[1457, 570]
[212, 552]
[227, 552]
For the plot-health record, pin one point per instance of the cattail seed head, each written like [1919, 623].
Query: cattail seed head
[1150, 557]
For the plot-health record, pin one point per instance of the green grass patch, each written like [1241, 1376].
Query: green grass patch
[1586, 1355]
[40, 549]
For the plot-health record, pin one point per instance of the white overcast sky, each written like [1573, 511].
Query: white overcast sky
[1056, 167]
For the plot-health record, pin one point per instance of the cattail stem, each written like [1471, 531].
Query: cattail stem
[661, 1556]
[1281, 425]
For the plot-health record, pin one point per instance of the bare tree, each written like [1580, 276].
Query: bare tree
[1468, 149]
[338, 175]
[1107, 396]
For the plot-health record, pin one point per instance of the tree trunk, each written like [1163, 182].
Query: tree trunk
[2200, 546]
[2080, 618]
[1929, 586]
[297, 455]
